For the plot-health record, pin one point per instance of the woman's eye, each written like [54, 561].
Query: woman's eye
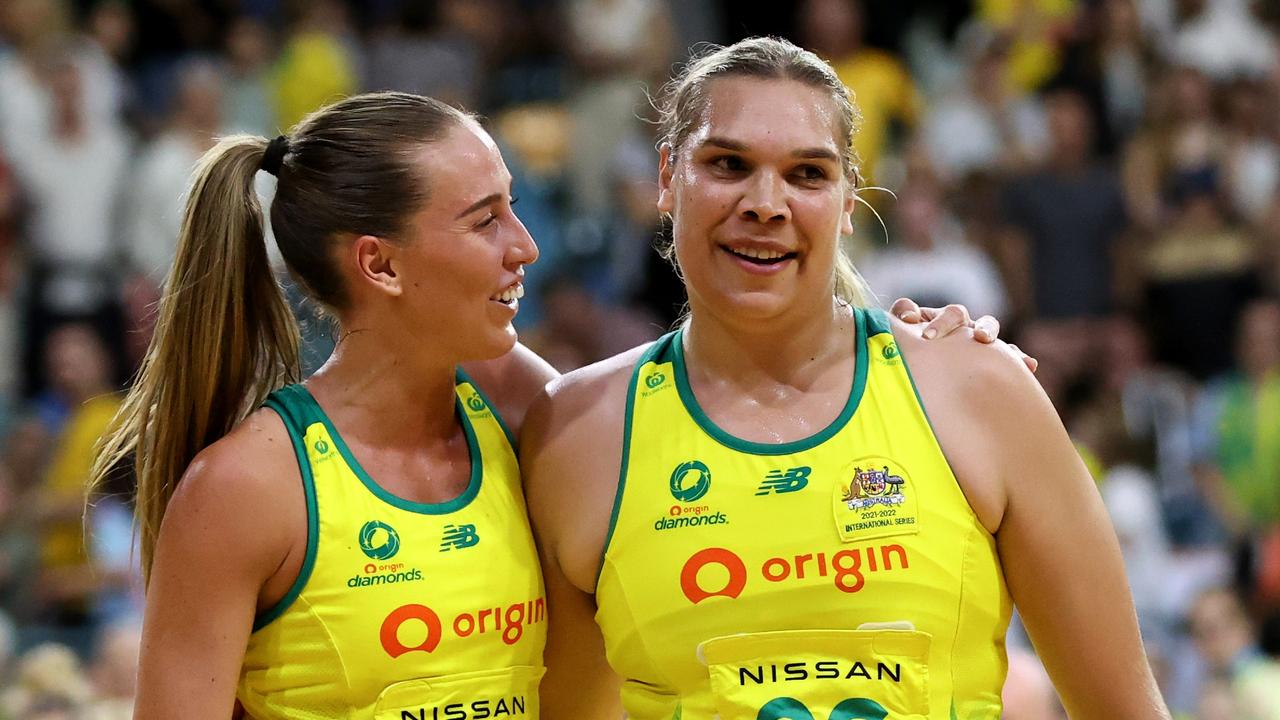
[811, 172]
[487, 221]
[731, 163]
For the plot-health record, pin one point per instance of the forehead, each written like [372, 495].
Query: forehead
[760, 113]
[462, 167]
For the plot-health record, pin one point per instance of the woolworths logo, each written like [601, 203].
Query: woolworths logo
[476, 403]
[655, 379]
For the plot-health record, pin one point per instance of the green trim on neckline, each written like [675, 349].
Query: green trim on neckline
[754, 448]
[289, 406]
[473, 449]
[650, 355]
[511, 439]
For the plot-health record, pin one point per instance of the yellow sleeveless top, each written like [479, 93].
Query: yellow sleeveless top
[839, 577]
[402, 610]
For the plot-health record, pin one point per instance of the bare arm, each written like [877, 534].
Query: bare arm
[579, 682]
[571, 445]
[1059, 552]
[222, 540]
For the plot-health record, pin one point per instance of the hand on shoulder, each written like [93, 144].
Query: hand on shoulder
[989, 414]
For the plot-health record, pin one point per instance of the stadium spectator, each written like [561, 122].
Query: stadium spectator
[617, 48]
[985, 124]
[318, 63]
[67, 581]
[930, 260]
[74, 170]
[1180, 134]
[885, 92]
[114, 673]
[158, 188]
[1227, 645]
[1199, 268]
[1223, 39]
[428, 52]
[1239, 427]
[247, 103]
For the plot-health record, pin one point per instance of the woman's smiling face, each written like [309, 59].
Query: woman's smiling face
[758, 198]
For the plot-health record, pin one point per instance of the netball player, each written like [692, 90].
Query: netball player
[757, 509]
[366, 530]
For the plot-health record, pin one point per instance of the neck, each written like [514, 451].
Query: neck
[781, 352]
[397, 399]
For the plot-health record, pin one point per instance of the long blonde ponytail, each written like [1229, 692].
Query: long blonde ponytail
[224, 338]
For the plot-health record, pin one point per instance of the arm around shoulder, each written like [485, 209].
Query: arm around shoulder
[222, 538]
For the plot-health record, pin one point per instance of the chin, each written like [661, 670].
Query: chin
[754, 305]
[499, 342]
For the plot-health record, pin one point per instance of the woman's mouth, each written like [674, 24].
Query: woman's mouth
[759, 256]
[511, 296]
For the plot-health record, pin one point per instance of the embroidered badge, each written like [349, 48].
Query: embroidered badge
[875, 500]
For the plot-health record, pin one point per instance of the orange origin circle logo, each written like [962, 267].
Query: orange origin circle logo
[726, 559]
[391, 626]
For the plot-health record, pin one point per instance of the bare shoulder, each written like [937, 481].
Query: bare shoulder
[591, 394]
[512, 382]
[986, 376]
[249, 459]
[247, 484]
[984, 406]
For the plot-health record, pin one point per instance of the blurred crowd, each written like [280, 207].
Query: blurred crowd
[1102, 175]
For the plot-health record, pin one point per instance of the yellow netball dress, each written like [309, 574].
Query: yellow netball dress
[402, 610]
[839, 577]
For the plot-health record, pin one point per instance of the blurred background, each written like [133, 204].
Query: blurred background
[1102, 175]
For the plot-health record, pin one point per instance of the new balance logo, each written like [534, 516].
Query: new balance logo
[788, 481]
[458, 537]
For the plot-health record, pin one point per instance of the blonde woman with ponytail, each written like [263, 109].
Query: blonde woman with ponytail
[789, 535]
[355, 547]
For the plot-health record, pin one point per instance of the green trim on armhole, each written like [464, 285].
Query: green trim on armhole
[291, 408]
[919, 401]
[708, 426]
[651, 355]
[473, 449]
[463, 377]
[879, 319]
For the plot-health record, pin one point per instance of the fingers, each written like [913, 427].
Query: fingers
[1027, 360]
[906, 310]
[986, 329]
[952, 318]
